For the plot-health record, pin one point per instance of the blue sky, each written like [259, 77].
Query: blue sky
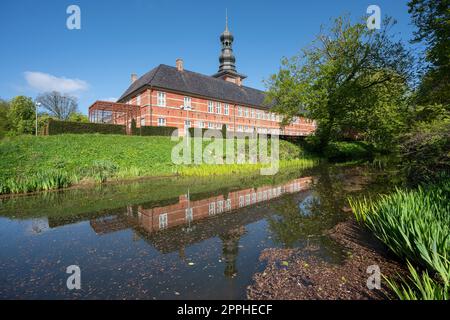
[118, 38]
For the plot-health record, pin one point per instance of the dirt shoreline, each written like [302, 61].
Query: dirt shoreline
[305, 278]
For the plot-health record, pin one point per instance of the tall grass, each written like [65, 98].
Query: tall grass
[230, 169]
[415, 225]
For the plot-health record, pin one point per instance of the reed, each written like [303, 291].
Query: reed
[415, 225]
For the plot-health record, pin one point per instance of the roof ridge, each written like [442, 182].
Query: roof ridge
[211, 78]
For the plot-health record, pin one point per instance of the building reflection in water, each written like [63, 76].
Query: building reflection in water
[193, 218]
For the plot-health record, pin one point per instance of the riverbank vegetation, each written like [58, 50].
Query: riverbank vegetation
[30, 163]
[415, 225]
[365, 87]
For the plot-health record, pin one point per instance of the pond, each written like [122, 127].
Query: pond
[172, 238]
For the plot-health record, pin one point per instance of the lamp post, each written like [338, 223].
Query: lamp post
[37, 105]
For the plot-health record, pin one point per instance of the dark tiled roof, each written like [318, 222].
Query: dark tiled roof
[167, 77]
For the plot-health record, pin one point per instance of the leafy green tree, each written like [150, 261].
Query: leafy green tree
[22, 115]
[4, 122]
[432, 19]
[78, 117]
[337, 81]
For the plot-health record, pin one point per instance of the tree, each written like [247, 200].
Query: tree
[432, 19]
[4, 122]
[22, 115]
[337, 80]
[78, 117]
[60, 106]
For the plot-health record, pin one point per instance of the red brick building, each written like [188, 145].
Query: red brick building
[175, 97]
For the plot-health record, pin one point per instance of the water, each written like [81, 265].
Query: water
[172, 238]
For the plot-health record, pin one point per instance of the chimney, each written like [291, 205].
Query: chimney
[133, 77]
[180, 66]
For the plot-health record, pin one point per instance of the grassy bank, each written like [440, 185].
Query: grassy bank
[51, 162]
[415, 225]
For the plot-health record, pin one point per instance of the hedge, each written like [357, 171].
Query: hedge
[55, 127]
[155, 131]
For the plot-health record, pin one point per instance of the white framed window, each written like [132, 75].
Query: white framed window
[239, 128]
[246, 112]
[218, 108]
[254, 197]
[142, 121]
[210, 107]
[210, 125]
[161, 99]
[228, 204]
[187, 123]
[226, 109]
[201, 124]
[253, 113]
[163, 221]
[189, 215]
[212, 208]
[220, 206]
[187, 102]
[138, 99]
[258, 115]
[239, 111]
[247, 199]
[161, 122]
[241, 201]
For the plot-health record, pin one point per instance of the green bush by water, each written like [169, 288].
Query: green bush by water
[341, 151]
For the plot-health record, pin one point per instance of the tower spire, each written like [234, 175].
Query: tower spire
[227, 67]
[226, 19]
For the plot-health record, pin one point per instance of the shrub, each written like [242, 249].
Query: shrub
[425, 152]
[55, 127]
[341, 151]
[156, 131]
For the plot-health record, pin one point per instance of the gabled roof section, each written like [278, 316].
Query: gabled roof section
[167, 77]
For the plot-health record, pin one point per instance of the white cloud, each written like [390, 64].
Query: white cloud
[44, 82]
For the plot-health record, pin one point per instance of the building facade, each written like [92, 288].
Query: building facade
[175, 97]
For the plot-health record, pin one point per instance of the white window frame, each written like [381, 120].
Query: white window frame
[138, 99]
[163, 221]
[228, 205]
[220, 206]
[162, 122]
[161, 101]
[187, 102]
[212, 208]
[226, 109]
[210, 107]
[189, 214]
[218, 108]
[142, 121]
[239, 112]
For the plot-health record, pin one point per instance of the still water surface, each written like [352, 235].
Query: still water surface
[171, 239]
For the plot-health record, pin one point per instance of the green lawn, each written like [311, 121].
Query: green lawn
[30, 163]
